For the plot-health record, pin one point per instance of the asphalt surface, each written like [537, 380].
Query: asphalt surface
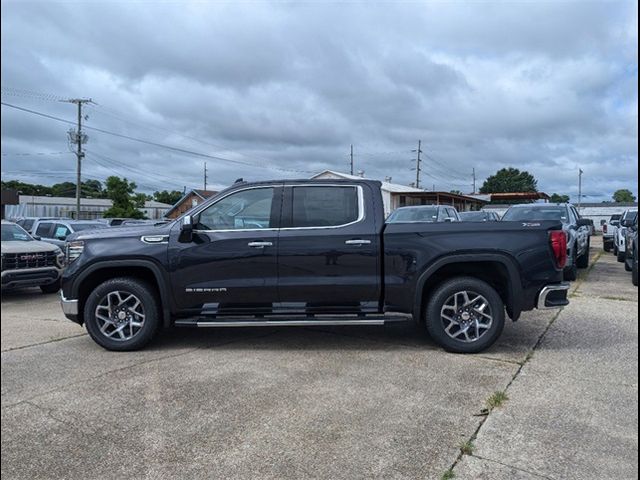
[350, 402]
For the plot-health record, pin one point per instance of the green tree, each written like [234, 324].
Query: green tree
[456, 192]
[509, 180]
[26, 188]
[125, 201]
[624, 196]
[165, 196]
[557, 198]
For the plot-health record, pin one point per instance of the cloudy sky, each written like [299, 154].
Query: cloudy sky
[273, 90]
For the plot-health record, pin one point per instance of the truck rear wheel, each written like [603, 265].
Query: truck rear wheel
[465, 315]
[122, 314]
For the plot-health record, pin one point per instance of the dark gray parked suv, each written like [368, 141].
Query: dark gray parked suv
[578, 230]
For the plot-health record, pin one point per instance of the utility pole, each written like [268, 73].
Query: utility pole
[579, 188]
[474, 180]
[351, 155]
[205, 175]
[78, 138]
[419, 151]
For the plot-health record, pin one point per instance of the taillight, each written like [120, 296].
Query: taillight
[604, 228]
[558, 240]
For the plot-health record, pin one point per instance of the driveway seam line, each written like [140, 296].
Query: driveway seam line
[12, 349]
[512, 466]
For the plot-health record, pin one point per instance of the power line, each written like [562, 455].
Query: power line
[159, 145]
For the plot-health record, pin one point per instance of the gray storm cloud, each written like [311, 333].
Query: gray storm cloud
[284, 89]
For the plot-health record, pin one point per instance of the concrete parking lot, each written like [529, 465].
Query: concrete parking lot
[349, 402]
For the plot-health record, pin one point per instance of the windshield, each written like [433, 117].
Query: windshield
[78, 227]
[14, 233]
[473, 216]
[421, 214]
[518, 214]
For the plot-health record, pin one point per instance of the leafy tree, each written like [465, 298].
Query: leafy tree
[125, 201]
[26, 188]
[456, 192]
[167, 197]
[509, 180]
[557, 198]
[624, 196]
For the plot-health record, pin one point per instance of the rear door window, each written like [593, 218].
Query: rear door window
[61, 231]
[325, 206]
[44, 230]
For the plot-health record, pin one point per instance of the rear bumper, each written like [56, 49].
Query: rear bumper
[30, 277]
[553, 296]
[69, 308]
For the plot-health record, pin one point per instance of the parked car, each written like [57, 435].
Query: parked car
[57, 231]
[28, 222]
[133, 222]
[479, 216]
[631, 231]
[608, 231]
[620, 232]
[632, 253]
[578, 230]
[27, 262]
[305, 253]
[424, 213]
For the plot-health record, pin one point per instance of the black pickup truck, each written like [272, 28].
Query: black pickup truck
[300, 253]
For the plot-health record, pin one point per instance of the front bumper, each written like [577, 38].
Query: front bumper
[69, 307]
[30, 277]
[553, 296]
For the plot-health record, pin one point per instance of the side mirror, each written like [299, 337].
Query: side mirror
[615, 223]
[602, 222]
[37, 237]
[449, 219]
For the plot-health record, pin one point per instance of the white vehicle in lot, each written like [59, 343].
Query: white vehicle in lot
[57, 231]
[608, 231]
[27, 262]
[620, 232]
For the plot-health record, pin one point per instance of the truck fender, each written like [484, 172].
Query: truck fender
[161, 280]
[514, 285]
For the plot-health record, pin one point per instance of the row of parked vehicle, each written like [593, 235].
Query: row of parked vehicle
[33, 248]
[620, 235]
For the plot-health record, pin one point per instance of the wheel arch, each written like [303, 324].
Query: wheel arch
[142, 269]
[498, 270]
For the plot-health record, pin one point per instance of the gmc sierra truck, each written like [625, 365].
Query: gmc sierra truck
[306, 253]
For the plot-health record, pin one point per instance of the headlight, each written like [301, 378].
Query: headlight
[60, 258]
[74, 250]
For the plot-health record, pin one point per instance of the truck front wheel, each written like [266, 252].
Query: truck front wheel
[122, 314]
[465, 315]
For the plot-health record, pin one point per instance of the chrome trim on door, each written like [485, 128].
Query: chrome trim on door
[259, 244]
[358, 242]
[361, 209]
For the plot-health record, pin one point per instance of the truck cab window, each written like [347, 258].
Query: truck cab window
[243, 210]
[324, 206]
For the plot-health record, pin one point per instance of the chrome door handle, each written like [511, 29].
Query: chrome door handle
[260, 244]
[358, 242]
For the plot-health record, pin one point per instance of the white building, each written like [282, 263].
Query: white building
[90, 208]
[395, 195]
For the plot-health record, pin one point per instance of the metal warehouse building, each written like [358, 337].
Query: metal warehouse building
[90, 208]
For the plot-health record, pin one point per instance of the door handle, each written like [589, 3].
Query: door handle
[260, 244]
[358, 242]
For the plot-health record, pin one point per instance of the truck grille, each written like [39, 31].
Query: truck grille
[15, 261]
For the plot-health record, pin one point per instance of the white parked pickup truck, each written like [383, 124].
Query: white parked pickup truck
[620, 231]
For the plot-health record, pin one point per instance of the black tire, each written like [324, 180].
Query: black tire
[144, 292]
[615, 249]
[621, 256]
[51, 288]
[440, 297]
[570, 273]
[606, 247]
[627, 264]
[634, 273]
[583, 260]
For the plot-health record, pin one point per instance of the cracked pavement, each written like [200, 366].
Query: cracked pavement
[343, 402]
